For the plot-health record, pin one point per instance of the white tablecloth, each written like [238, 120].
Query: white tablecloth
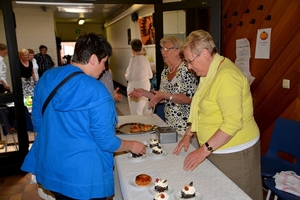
[210, 182]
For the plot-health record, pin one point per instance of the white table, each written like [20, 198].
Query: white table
[209, 181]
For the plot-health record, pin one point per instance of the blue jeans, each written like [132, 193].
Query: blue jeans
[59, 196]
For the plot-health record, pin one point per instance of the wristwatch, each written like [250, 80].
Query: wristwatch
[209, 148]
[171, 97]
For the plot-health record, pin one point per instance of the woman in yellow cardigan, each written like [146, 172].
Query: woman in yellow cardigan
[221, 116]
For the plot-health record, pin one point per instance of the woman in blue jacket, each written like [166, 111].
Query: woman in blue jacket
[72, 155]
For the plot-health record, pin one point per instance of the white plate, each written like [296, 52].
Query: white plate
[158, 156]
[178, 196]
[132, 183]
[138, 159]
[153, 191]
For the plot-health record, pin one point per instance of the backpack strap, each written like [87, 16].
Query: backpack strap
[56, 88]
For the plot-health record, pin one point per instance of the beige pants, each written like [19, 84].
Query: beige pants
[243, 168]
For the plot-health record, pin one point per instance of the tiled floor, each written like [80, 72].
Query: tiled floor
[18, 187]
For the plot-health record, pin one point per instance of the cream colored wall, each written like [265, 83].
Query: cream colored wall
[69, 32]
[35, 27]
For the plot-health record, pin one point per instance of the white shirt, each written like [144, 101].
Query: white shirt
[2, 70]
[138, 69]
[35, 69]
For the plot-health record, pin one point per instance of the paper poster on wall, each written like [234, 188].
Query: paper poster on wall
[243, 55]
[263, 40]
[147, 30]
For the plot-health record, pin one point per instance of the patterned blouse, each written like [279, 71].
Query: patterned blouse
[184, 82]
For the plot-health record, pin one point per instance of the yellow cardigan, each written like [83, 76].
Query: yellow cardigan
[223, 101]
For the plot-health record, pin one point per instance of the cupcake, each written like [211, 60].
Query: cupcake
[161, 185]
[188, 191]
[153, 142]
[161, 196]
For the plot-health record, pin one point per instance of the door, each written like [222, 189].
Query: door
[189, 16]
[10, 162]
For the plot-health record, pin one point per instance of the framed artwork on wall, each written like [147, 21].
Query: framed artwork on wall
[147, 30]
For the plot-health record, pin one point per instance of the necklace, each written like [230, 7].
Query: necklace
[177, 65]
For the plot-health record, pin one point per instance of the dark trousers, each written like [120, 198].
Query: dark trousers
[59, 196]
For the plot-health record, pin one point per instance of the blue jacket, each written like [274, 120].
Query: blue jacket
[73, 151]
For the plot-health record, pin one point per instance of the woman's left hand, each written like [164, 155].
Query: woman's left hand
[194, 159]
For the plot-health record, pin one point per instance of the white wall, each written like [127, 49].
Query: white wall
[35, 27]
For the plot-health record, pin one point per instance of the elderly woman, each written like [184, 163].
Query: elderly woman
[177, 86]
[222, 116]
[27, 74]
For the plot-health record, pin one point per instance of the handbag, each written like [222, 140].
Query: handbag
[56, 88]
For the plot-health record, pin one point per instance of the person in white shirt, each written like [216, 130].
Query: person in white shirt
[35, 65]
[138, 74]
[4, 87]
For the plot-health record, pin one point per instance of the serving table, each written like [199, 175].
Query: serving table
[208, 180]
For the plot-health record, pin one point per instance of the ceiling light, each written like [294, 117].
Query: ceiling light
[81, 21]
[75, 10]
[54, 3]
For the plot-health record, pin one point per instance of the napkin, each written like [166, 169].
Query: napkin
[288, 181]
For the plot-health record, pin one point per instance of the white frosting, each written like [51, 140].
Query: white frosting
[191, 189]
[157, 149]
[153, 141]
[161, 183]
[162, 196]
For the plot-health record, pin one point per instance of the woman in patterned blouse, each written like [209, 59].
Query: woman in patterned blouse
[177, 86]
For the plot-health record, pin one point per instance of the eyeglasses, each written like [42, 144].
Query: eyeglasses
[189, 62]
[167, 48]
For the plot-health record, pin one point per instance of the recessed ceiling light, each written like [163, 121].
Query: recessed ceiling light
[54, 3]
[75, 10]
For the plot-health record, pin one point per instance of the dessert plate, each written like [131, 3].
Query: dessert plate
[158, 156]
[138, 159]
[153, 191]
[178, 196]
[126, 128]
[132, 183]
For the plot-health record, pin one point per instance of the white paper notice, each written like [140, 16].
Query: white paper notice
[243, 56]
[263, 40]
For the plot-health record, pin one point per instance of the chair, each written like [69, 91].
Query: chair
[285, 139]
[270, 183]
[8, 124]
[159, 110]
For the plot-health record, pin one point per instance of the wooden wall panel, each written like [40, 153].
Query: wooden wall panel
[269, 98]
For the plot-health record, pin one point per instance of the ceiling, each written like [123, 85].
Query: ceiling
[101, 12]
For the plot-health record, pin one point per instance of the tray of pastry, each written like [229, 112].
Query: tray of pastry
[135, 128]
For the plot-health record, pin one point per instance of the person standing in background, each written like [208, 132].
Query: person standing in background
[27, 74]
[4, 87]
[138, 74]
[43, 60]
[107, 80]
[34, 63]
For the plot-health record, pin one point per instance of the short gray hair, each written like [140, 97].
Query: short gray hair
[199, 40]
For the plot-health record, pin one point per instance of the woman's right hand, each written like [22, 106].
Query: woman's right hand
[184, 143]
[138, 148]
